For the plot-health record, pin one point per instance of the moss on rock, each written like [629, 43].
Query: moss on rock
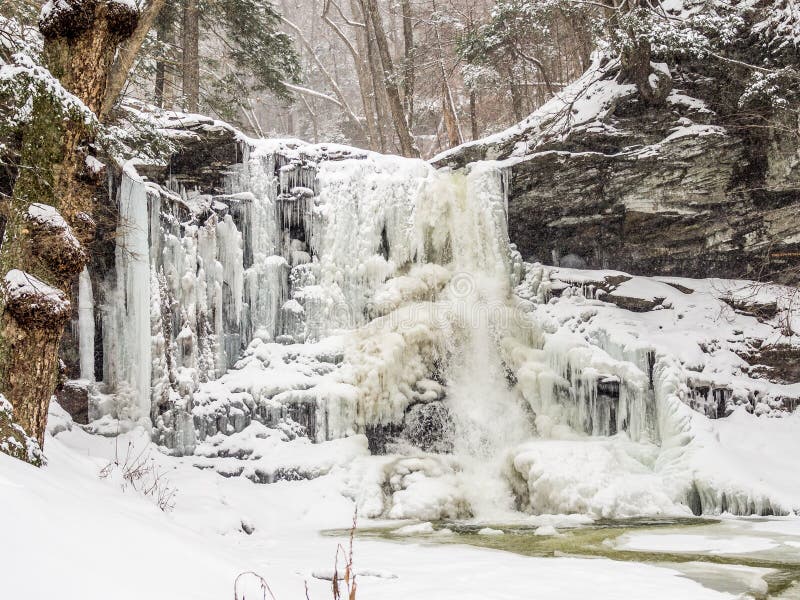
[13, 439]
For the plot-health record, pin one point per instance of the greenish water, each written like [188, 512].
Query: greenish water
[599, 539]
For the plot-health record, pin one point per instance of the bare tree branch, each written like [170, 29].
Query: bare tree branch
[309, 92]
[334, 85]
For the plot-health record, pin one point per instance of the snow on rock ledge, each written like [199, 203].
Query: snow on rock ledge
[32, 301]
[601, 180]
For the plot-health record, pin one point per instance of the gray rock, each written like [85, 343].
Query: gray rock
[73, 396]
[691, 188]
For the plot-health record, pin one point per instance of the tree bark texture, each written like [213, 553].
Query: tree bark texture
[124, 61]
[191, 55]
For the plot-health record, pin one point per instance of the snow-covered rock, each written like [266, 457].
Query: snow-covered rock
[696, 187]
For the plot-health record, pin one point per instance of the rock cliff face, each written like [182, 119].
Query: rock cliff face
[694, 187]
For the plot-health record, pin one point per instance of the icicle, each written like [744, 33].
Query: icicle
[231, 257]
[86, 325]
[127, 326]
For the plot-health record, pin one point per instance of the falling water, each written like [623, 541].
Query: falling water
[489, 415]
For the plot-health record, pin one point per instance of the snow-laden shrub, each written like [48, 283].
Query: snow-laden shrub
[777, 89]
[18, 31]
[13, 439]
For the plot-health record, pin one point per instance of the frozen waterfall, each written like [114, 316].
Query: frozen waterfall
[411, 263]
[369, 294]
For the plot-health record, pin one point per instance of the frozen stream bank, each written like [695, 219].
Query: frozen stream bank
[751, 558]
[227, 526]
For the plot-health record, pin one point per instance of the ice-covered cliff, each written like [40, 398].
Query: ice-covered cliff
[257, 291]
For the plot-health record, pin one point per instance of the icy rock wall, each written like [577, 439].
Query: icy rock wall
[198, 277]
[173, 304]
[379, 252]
[409, 266]
[598, 388]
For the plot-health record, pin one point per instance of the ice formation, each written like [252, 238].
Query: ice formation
[86, 325]
[126, 327]
[329, 293]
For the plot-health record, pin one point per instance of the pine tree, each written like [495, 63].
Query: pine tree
[250, 55]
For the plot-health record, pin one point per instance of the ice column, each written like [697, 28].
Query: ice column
[265, 281]
[127, 325]
[86, 325]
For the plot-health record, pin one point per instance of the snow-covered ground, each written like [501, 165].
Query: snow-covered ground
[73, 529]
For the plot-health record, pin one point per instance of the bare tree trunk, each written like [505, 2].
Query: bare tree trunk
[635, 62]
[366, 90]
[191, 55]
[170, 82]
[126, 56]
[408, 146]
[158, 88]
[49, 214]
[164, 33]
[635, 68]
[409, 69]
[171, 69]
[379, 97]
[635, 56]
[454, 137]
[357, 52]
[450, 118]
[473, 114]
[371, 93]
